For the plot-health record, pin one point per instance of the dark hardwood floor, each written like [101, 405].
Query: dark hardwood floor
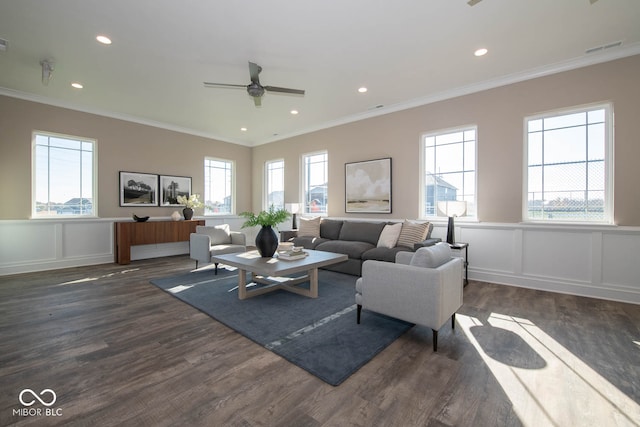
[116, 350]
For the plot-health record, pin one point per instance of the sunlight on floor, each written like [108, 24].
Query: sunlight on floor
[587, 397]
[93, 279]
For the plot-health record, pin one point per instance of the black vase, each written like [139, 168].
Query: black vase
[267, 241]
[188, 213]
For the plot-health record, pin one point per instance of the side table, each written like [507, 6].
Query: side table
[458, 247]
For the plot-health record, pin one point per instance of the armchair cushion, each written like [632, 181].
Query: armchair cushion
[432, 256]
[219, 234]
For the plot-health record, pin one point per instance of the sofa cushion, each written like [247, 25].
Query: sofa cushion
[330, 228]
[432, 256]
[308, 242]
[383, 254]
[412, 233]
[389, 235]
[220, 234]
[309, 227]
[350, 248]
[361, 231]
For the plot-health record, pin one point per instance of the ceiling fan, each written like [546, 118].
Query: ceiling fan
[255, 89]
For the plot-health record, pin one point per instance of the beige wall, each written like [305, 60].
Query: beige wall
[122, 146]
[498, 114]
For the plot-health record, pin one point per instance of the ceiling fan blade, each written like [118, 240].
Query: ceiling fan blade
[254, 70]
[284, 90]
[209, 84]
[473, 2]
[257, 100]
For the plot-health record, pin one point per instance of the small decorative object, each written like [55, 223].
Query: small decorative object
[176, 216]
[267, 239]
[140, 218]
[189, 203]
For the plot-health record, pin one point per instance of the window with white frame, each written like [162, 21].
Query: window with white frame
[448, 175]
[64, 176]
[569, 166]
[274, 184]
[218, 187]
[314, 182]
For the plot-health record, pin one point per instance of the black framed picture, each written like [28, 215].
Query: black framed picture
[173, 186]
[138, 189]
[368, 186]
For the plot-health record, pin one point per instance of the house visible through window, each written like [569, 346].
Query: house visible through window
[64, 176]
[449, 173]
[274, 184]
[218, 187]
[314, 185]
[568, 172]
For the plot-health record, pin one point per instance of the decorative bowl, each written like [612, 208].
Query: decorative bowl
[140, 218]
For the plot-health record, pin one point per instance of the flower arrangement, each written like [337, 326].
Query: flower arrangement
[269, 218]
[190, 202]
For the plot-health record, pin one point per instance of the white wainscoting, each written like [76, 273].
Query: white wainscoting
[595, 261]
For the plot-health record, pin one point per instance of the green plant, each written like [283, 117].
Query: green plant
[270, 218]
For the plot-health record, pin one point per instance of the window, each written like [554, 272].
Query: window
[568, 173]
[64, 176]
[218, 187]
[449, 173]
[274, 184]
[314, 186]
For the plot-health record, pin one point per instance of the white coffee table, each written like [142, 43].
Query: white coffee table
[273, 271]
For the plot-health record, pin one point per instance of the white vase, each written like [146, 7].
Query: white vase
[176, 216]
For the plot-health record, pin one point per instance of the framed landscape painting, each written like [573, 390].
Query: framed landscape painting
[138, 189]
[173, 186]
[368, 186]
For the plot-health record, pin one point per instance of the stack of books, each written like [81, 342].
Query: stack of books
[293, 254]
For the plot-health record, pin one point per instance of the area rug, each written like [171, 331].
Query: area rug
[319, 335]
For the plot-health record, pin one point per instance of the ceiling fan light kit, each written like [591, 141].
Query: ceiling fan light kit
[255, 89]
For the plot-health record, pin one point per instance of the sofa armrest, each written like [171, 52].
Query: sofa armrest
[199, 247]
[238, 238]
[427, 242]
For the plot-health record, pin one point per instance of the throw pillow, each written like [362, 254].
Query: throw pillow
[431, 256]
[389, 236]
[412, 233]
[309, 227]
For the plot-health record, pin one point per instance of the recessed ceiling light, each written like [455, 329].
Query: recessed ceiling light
[243, 129]
[480, 52]
[104, 39]
[294, 112]
[77, 85]
[362, 89]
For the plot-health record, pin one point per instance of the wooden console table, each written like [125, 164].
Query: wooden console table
[129, 233]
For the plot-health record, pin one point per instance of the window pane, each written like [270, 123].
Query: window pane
[567, 173]
[449, 170]
[274, 184]
[64, 176]
[218, 187]
[315, 183]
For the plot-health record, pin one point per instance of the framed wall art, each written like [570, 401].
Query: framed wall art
[368, 186]
[138, 189]
[173, 186]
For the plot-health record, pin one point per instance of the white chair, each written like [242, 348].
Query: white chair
[424, 287]
[208, 241]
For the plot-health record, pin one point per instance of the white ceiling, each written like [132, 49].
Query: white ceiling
[407, 52]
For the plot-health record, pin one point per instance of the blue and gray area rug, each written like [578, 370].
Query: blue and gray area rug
[319, 335]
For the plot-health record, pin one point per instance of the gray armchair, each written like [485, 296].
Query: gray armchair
[215, 240]
[424, 287]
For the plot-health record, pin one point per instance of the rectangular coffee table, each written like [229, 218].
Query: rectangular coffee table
[273, 271]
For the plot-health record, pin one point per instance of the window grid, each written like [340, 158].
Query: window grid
[64, 176]
[218, 187]
[274, 188]
[568, 166]
[315, 169]
[449, 170]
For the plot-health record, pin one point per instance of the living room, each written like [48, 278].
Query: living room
[587, 260]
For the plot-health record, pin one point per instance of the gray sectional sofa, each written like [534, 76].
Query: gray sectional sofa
[356, 239]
